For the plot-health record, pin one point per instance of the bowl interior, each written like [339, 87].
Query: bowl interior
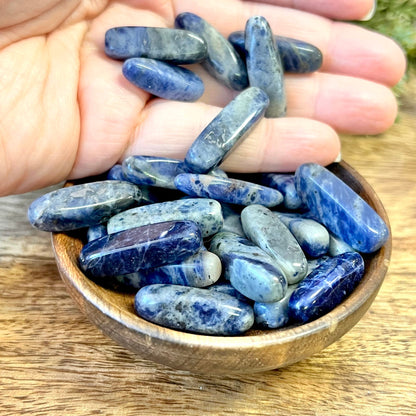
[257, 350]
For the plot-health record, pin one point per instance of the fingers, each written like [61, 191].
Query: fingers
[168, 129]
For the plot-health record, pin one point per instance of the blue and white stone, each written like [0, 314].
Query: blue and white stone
[284, 183]
[266, 230]
[223, 62]
[264, 66]
[140, 248]
[82, 205]
[165, 44]
[248, 268]
[297, 56]
[340, 209]
[227, 130]
[232, 191]
[326, 287]
[206, 213]
[337, 246]
[273, 315]
[163, 80]
[232, 221]
[229, 289]
[96, 231]
[193, 309]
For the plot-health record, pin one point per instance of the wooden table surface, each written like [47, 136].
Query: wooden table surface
[53, 361]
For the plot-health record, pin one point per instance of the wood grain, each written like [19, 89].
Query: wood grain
[53, 361]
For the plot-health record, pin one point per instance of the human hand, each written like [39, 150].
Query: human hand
[67, 112]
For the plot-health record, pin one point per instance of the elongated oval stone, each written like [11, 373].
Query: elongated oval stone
[193, 309]
[163, 79]
[139, 248]
[284, 183]
[264, 66]
[326, 287]
[206, 213]
[229, 190]
[223, 62]
[248, 268]
[226, 130]
[340, 209]
[265, 229]
[297, 56]
[82, 205]
[173, 45]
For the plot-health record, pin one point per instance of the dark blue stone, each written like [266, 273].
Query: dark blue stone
[163, 80]
[142, 247]
[343, 212]
[173, 45]
[297, 56]
[285, 183]
[326, 287]
[96, 231]
[228, 190]
[193, 310]
[82, 205]
[223, 62]
[227, 130]
[264, 66]
[116, 174]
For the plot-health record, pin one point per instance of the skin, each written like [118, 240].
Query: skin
[67, 112]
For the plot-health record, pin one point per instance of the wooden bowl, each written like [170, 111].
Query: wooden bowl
[255, 351]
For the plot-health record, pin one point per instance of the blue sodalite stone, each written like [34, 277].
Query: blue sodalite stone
[232, 221]
[226, 130]
[223, 62]
[82, 205]
[173, 45]
[326, 287]
[266, 230]
[297, 56]
[193, 309]
[285, 183]
[96, 231]
[163, 80]
[232, 191]
[142, 247]
[337, 246]
[206, 213]
[116, 173]
[340, 209]
[273, 314]
[199, 270]
[229, 289]
[248, 268]
[264, 66]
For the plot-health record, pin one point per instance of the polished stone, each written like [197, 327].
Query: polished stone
[163, 80]
[340, 209]
[297, 56]
[337, 246]
[223, 62]
[140, 248]
[173, 45]
[232, 221]
[193, 309]
[229, 190]
[264, 66]
[326, 287]
[248, 268]
[266, 230]
[116, 173]
[227, 130]
[285, 183]
[229, 289]
[206, 213]
[96, 231]
[82, 205]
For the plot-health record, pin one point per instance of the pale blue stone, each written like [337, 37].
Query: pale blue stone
[232, 221]
[340, 209]
[206, 213]
[249, 269]
[223, 62]
[285, 183]
[82, 205]
[163, 79]
[226, 130]
[96, 231]
[193, 309]
[264, 66]
[229, 190]
[337, 246]
[165, 44]
[265, 229]
[326, 287]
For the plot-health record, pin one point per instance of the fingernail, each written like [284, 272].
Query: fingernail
[338, 158]
[371, 13]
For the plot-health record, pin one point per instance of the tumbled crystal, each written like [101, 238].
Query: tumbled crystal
[285, 183]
